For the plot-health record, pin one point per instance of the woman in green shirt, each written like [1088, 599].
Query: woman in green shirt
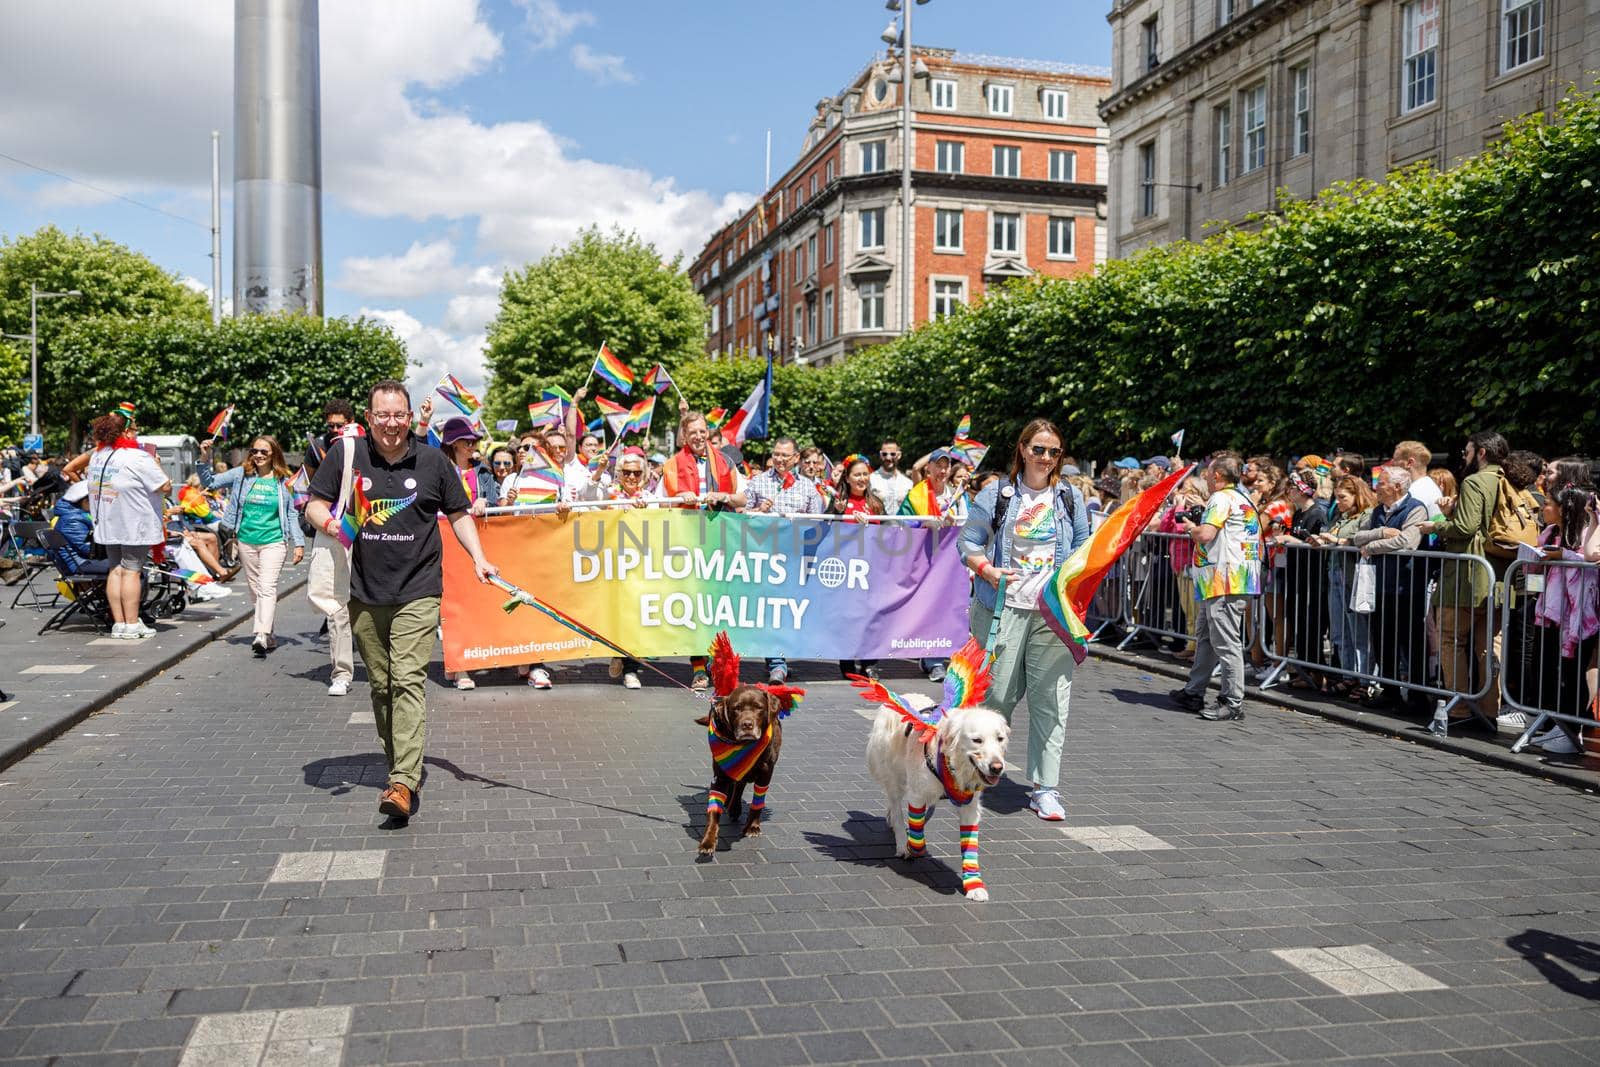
[261, 514]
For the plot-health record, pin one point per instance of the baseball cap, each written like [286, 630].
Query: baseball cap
[1127, 463]
[944, 453]
[1160, 461]
[657, 457]
[75, 492]
[459, 428]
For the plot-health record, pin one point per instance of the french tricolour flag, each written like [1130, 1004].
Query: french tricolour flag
[750, 421]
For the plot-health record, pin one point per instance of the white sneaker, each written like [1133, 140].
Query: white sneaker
[631, 681]
[1046, 803]
[119, 630]
[539, 678]
[465, 683]
[1513, 721]
[1559, 745]
[339, 687]
[137, 631]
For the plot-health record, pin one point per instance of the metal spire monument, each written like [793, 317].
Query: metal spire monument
[277, 157]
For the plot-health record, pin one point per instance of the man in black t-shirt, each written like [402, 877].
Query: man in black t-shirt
[399, 487]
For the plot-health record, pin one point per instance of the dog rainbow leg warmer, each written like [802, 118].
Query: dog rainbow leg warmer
[916, 829]
[758, 798]
[971, 877]
[715, 802]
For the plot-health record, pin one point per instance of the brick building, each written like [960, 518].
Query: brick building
[1218, 104]
[1008, 181]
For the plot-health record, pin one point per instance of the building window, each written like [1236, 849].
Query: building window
[1225, 11]
[827, 314]
[1063, 165]
[1147, 180]
[872, 227]
[1254, 155]
[1007, 161]
[1300, 135]
[728, 313]
[730, 258]
[1420, 66]
[1224, 129]
[947, 296]
[827, 244]
[944, 94]
[716, 269]
[811, 324]
[799, 326]
[947, 230]
[829, 178]
[999, 99]
[871, 294]
[872, 156]
[1522, 31]
[716, 318]
[1055, 104]
[813, 184]
[1061, 239]
[949, 156]
[1003, 233]
[1150, 43]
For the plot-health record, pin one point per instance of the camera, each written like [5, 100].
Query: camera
[1193, 514]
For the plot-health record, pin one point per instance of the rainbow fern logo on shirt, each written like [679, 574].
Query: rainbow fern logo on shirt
[1036, 521]
[379, 512]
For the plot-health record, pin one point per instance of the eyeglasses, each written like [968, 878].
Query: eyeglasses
[888, 455]
[391, 416]
[261, 451]
[1041, 450]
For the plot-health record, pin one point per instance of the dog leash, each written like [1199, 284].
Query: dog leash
[994, 620]
[522, 596]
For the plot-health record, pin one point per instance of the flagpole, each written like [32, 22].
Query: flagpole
[590, 378]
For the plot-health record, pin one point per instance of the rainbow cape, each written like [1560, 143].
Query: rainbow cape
[1065, 597]
[613, 370]
[544, 413]
[451, 389]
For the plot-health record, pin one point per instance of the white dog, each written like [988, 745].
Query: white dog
[921, 754]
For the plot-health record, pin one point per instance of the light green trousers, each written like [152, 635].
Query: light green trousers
[396, 643]
[1031, 662]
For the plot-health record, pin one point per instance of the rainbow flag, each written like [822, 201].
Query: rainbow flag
[969, 450]
[300, 488]
[920, 501]
[194, 577]
[639, 416]
[544, 413]
[555, 392]
[964, 428]
[349, 518]
[539, 485]
[657, 379]
[194, 502]
[613, 370]
[715, 418]
[218, 427]
[451, 389]
[1065, 597]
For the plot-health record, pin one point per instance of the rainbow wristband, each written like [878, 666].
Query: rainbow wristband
[971, 877]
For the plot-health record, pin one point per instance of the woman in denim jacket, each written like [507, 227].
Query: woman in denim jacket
[260, 512]
[1022, 527]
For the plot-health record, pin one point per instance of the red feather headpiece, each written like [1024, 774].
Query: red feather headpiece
[724, 665]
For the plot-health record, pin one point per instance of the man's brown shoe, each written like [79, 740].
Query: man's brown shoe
[397, 801]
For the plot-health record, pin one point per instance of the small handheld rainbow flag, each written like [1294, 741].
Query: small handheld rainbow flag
[970, 451]
[964, 428]
[194, 502]
[218, 427]
[613, 370]
[613, 414]
[639, 416]
[1065, 597]
[194, 577]
[539, 486]
[451, 389]
[348, 518]
[658, 379]
[715, 418]
[555, 392]
[300, 489]
[544, 413]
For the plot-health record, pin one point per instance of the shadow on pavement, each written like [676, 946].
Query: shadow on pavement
[1560, 959]
[871, 844]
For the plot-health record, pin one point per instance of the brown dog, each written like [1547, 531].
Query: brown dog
[745, 734]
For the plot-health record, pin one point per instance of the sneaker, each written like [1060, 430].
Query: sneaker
[1559, 745]
[631, 681]
[936, 673]
[1046, 803]
[465, 683]
[339, 687]
[777, 675]
[1186, 700]
[701, 682]
[614, 668]
[119, 630]
[539, 678]
[1513, 721]
[1221, 713]
[137, 631]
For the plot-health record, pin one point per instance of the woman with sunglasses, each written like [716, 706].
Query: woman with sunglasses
[1020, 528]
[629, 489]
[261, 514]
[502, 464]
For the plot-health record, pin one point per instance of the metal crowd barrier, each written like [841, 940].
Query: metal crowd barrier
[1539, 679]
[1156, 585]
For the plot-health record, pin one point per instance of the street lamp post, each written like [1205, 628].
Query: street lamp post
[906, 244]
[34, 293]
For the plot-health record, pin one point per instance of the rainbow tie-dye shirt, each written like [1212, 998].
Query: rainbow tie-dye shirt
[1230, 564]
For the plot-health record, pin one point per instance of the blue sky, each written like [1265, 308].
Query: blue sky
[460, 137]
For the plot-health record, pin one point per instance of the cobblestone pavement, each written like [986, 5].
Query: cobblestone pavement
[200, 875]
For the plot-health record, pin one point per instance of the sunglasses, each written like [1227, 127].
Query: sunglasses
[1041, 450]
[630, 474]
[888, 455]
[502, 463]
[261, 452]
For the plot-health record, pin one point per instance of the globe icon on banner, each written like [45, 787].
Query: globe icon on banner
[830, 572]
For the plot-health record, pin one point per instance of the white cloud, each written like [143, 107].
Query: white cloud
[434, 352]
[548, 24]
[424, 269]
[606, 68]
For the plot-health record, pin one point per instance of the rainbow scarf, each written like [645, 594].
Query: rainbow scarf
[1066, 596]
[732, 758]
[952, 791]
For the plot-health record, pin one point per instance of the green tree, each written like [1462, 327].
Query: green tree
[555, 314]
[277, 370]
[13, 391]
[114, 280]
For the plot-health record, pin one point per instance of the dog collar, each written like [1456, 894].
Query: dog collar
[732, 758]
[941, 770]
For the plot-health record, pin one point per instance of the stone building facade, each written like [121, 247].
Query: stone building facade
[1008, 181]
[1216, 105]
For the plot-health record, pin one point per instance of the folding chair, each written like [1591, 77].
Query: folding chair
[84, 594]
[30, 554]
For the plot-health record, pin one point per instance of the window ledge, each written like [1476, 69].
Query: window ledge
[1404, 117]
[1533, 65]
[1054, 258]
[940, 250]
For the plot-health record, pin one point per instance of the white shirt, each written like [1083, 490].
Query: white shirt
[124, 497]
[891, 489]
[1428, 492]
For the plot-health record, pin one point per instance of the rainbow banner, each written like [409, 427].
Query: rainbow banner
[663, 582]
